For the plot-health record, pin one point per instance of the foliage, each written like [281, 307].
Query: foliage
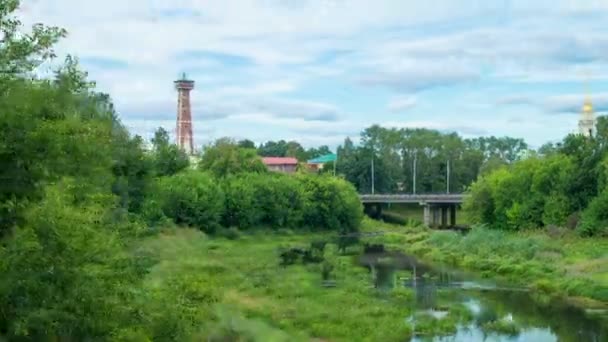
[241, 204]
[530, 193]
[225, 158]
[397, 153]
[65, 271]
[192, 198]
[279, 199]
[20, 53]
[168, 159]
[283, 148]
[331, 203]
[594, 219]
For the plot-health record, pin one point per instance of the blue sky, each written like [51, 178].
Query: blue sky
[319, 71]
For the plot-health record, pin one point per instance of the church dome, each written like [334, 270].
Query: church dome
[587, 107]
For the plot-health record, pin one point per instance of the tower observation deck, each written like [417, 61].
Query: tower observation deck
[183, 133]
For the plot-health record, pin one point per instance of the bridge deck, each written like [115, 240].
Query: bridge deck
[410, 198]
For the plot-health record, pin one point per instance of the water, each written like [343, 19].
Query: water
[486, 304]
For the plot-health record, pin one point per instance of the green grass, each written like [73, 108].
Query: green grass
[223, 288]
[285, 303]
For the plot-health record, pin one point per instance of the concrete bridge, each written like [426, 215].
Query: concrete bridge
[437, 207]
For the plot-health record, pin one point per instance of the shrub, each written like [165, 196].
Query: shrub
[332, 203]
[279, 199]
[66, 273]
[240, 203]
[231, 233]
[192, 198]
[594, 219]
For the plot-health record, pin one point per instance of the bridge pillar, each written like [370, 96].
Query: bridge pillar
[436, 216]
[453, 215]
[444, 216]
[427, 214]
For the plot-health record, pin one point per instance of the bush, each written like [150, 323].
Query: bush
[66, 273]
[241, 208]
[192, 198]
[594, 219]
[279, 199]
[530, 193]
[332, 203]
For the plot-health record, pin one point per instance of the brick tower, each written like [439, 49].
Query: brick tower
[183, 134]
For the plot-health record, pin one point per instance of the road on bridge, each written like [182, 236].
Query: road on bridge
[411, 198]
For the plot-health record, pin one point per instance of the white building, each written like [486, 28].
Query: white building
[586, 123]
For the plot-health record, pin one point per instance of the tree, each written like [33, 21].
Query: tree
[246, 143]
[225, 158]
[20, 53]
[169, 159]
[65, 271]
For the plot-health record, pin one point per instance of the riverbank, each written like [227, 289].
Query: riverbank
[552, 264]
[236, 286]
[273, 302]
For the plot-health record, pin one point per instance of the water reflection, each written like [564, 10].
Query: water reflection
[499, 313]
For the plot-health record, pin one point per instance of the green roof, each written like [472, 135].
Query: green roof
[323, 159]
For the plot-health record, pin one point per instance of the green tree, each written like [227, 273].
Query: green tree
[168, 158]
[225, 158]
[20, 52]
[192, 198]
[65, 271]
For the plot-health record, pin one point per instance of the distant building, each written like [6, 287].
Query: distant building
[281, 164]
[586, 123]
[318, 163]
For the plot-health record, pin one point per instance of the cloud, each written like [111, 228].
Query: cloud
[413, 75]
[305, 110]
[515, 100]
[295, 62]
[564, 103]
[401, 103]
[468, 130]
[573, 103]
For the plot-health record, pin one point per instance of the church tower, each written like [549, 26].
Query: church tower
[586, 123]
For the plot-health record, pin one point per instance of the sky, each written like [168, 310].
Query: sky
[318, 71]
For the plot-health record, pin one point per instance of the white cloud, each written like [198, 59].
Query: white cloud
[289, 48]
[401, 103]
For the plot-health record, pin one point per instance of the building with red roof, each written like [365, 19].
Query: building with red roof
[281, 164]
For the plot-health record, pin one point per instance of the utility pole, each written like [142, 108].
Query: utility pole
[414, 173]
[335, 161]
[373, 173]
[448, 178]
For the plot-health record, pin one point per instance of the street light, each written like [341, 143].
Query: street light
[448, 178]
[414, 172]
[373, 190]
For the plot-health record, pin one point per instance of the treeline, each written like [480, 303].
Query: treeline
[78, 194]
[247, 200]
[282, 148]
[398, 153]
[562, 185]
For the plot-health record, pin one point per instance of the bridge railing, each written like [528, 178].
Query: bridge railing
[447, 198]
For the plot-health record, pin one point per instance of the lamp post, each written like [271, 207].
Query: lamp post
[414, 173]
[373, 190]
[448, 178]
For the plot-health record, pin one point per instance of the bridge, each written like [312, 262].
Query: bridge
[437, 207]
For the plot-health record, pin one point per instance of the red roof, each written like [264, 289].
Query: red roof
[280, 161]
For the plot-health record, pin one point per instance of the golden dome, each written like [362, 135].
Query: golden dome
[587, 107]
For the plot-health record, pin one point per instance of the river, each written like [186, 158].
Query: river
[495, 310]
